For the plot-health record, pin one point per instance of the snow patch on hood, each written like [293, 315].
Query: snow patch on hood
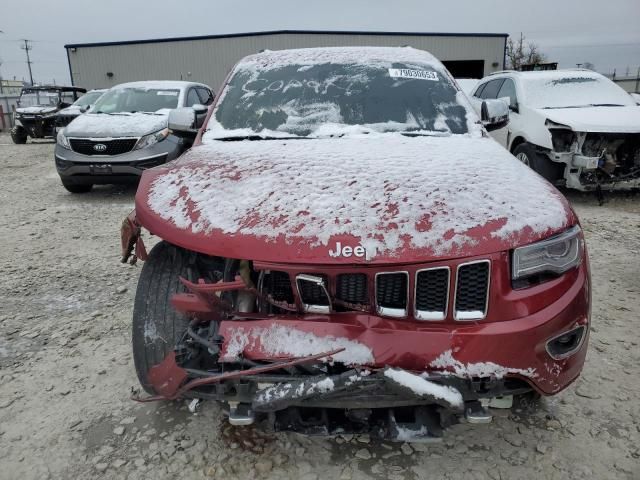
[102, 125]
[388, 190]
[451, 366]
[280, 340]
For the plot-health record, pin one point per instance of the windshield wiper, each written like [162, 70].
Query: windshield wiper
[425, 134]
[585, 106]
[239, 138]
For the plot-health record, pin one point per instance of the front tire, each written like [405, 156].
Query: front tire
[19, 135]
[527, 154]
[157, 326]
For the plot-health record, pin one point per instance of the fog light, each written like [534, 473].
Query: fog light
[566, 344]
[62, 164]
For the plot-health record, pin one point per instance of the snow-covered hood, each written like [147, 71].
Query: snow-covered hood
[400, 199]
[597, 119]
[36, 110]
[100, 125]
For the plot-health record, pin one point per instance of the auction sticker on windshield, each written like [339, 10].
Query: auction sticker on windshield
[419, 74]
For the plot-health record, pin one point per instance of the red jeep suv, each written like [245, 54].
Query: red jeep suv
[345, 248]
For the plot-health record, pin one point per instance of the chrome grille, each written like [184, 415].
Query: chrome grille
[392, 293]
[472, 291]
[432, 293]
[313, 293]
[429, 290]
[352, 288]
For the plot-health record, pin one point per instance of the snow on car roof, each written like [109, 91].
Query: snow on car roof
[157, 84]
[571, 88]
[340, 55]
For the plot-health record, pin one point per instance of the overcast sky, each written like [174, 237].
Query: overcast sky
[603, 32]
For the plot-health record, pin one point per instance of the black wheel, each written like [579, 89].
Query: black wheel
[157, 326]
[19, 135]
[527, 154]
[77, 188]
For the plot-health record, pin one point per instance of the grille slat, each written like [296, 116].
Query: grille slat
[116, 146]
[391, 293]
[279, 286]
[472, 290]
[311, 293]
[352, 288]
[432, 294]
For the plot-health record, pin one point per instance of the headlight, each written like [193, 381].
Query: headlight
[152, 139]
[62, 140]
[554, 256]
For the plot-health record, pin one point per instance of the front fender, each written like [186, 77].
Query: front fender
[131, 240]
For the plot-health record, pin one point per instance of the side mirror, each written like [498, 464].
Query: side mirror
[182, 122]
[185, 122]
[494, 114]
[84, 108]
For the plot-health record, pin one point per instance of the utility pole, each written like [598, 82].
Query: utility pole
[26, 47]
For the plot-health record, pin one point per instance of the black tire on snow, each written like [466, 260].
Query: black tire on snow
[527, 154]
[19, 135]
[77, 188]
[157, 326]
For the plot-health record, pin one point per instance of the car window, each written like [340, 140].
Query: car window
[301, 100]
[192, 98]
[206, 97]
[508, 89]
[479, 90]
[492, 88]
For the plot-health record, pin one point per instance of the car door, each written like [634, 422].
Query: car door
[508, 92]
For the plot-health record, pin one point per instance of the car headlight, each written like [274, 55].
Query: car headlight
[152, 139]
[554, 256]
[62, 140]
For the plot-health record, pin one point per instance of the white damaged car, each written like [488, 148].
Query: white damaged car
[576, 128]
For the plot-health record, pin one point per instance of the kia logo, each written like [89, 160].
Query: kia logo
[99, 147]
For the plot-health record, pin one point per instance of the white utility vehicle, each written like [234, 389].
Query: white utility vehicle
[574, 127]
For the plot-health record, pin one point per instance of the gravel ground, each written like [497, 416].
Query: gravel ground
[66, 370]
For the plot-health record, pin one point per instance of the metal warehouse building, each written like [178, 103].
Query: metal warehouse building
[207, 59]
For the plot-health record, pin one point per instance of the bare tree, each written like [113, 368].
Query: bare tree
[522, 52]
[589, 66]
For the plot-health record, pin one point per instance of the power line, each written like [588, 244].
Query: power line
[26, 47]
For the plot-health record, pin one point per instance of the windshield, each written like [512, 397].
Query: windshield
[327, 98]
[573, 90]
[131, 100]
[88, 99]
[40, 99]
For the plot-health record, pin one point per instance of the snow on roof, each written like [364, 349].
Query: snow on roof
[570, 88]
[156, 84]
[388, 190]
[340, 55]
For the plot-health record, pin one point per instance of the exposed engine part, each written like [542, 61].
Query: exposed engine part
[563, 139]
[618, 158]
